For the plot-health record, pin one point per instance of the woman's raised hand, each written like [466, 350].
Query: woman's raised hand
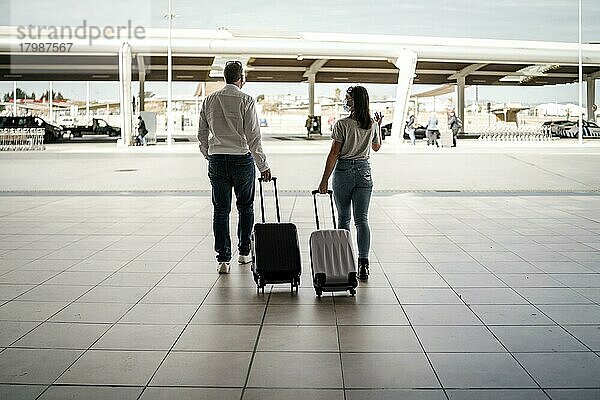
[378, 117]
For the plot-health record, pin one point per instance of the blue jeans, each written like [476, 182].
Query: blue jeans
[227, 171]
[352, 187]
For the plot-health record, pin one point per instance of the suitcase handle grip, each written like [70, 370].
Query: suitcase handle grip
[330, 193]
[262, 199]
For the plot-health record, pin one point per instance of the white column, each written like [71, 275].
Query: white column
[15, 98]
[460, 98]
[87, 102]
[50, 99]
[125, 94]
[406, 64]
[580, 80]
[170, 80]
[311, 94]
[591, 99]
[142, 80]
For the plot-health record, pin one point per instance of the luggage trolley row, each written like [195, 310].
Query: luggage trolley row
[21, 139]
[276, 252]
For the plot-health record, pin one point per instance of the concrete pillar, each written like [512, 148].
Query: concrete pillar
[125, 94]
[170, 80]
[50, 99]
[15, 98]
[407, 65]
[142, 80]
[87, 102]
[460, 99]
[591, 99]
[311, 94]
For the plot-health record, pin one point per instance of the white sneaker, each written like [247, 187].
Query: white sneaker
[223, 268]
[242, 259]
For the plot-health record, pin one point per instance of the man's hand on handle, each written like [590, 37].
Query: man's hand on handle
[266, 175]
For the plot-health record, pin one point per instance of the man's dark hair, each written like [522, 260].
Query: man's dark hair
[233, 72]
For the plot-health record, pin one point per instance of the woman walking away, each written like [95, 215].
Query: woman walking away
[348, 159]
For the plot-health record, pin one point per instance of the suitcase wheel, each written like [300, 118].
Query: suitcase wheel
[260, 283]
[319, 292]
[352, 291]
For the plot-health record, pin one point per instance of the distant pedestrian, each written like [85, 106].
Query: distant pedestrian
[308, 125]
[454, 123]
[432, 130]
[229, 136]
[411, 125]
[142, 131]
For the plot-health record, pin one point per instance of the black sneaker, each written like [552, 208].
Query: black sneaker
[363, 268]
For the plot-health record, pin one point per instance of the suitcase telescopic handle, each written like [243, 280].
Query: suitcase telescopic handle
[262, 199]
[330, 193]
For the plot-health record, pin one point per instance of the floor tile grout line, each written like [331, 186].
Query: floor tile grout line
[339, 341]
[255, 349]
[177, 339]
[491, 332]
[40, 284]
[477, 316]
[423, 351]
[513, 289]
[114, 323]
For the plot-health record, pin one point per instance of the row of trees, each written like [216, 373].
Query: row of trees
[21, 94]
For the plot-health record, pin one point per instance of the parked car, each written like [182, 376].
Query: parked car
[97, 126]
[386, 130]
[553, 127]
[590, 130]
[52, 132]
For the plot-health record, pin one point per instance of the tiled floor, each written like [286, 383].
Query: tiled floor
[481, 296]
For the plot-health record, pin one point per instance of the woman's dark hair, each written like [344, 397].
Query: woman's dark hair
[361, 112]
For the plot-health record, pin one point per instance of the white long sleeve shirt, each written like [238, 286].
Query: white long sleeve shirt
[229, 125]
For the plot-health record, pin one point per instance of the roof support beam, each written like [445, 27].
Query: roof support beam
[467, 71]
[315, 67]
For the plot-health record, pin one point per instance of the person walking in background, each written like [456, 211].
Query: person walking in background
[229, 136]
[432, 130]
[142, 131]
[454, 123]
[353, 138]
[308, 125]
[411, 125]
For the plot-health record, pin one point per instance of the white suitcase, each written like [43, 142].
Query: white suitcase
[332, 256]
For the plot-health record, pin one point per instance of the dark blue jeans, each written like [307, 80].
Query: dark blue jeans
[226, 172]
[352, 188]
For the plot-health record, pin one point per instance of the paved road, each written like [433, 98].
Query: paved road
[474, 166]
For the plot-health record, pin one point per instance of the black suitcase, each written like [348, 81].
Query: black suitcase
[275, 249]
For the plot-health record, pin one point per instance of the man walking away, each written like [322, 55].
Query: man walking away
[229, 136]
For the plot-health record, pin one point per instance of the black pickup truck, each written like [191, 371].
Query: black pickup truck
[97, 127]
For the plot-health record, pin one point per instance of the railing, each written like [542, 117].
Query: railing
[512, 133]
[21, 139]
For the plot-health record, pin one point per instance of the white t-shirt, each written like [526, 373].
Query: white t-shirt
[356, 142]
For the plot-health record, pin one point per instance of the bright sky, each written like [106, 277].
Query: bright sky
[552, 20]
